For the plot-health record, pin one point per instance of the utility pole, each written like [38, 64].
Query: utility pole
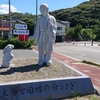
[2, 27]
[36, 10]
[35, 20]
[10, 31]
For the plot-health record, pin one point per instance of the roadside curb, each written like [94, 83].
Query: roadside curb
[87, 69]
[97, 90]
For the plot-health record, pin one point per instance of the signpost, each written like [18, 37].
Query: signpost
[21, 31]
[20, 26]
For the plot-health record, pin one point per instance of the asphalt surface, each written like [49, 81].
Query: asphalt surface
[21, 53]
[77, 51]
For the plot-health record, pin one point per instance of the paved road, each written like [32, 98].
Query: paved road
[79, 51]
[21, 53]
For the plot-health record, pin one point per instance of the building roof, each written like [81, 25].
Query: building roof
[16, 20]
[65, 22]
[4, 28]
[20, 21]
[61, 23]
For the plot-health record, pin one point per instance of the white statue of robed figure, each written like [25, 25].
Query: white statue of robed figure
[45, 35]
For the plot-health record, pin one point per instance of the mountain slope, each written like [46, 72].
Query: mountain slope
[84, 13]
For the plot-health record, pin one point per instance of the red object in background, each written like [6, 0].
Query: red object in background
[23, 37]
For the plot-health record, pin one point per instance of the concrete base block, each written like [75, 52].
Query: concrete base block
[56, 88]
[46, 89]
[97, 90]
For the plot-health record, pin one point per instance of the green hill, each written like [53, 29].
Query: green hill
[86, 13]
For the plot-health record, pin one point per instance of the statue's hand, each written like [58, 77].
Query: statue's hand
[35, 42]
[30, 37]
[49, 23]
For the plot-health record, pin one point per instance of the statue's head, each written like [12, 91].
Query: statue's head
[8, 48]
[44, 9]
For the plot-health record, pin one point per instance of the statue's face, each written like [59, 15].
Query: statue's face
[44, 11]
[10, 48]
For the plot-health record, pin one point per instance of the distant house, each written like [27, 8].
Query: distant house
[5, 31]
[4, 25]
[61, 26]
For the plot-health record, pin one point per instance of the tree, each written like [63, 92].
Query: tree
[82, 13]
[77, 31]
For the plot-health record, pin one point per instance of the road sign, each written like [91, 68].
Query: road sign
[20, 26]
[25, 32]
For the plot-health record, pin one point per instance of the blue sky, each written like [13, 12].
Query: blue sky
[29, 6]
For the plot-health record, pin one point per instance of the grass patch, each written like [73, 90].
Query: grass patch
[91, 63]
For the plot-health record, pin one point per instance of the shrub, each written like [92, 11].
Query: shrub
[17, 44]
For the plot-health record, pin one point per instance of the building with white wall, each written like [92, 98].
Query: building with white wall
[61, 26]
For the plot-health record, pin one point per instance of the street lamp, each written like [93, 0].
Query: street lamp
[36, 9]
[10, 32]
[35, 20]
[93, 24]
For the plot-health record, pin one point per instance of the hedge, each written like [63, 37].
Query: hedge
[17, 44]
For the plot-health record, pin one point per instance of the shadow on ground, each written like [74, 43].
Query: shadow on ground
[21, 69]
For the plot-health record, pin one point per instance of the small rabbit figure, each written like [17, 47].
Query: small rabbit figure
[8, 55]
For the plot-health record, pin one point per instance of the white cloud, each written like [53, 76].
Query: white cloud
[4, 9]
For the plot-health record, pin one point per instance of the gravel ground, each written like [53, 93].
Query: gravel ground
[27, 69]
